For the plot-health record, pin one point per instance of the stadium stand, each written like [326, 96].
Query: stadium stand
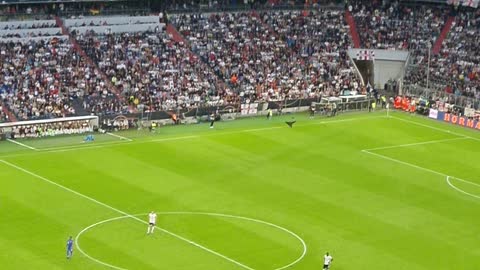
[456, 68]
[327, 60]
[43, 79]
[150, 69]
[261, 64]
[78, 65]
[399, 27]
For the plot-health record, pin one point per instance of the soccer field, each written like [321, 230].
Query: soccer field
[377, 192]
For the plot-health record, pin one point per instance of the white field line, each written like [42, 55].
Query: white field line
[260, 129]
[120, 137]
[22, 144]
[415, 144]
[87, 145]
[110, 144]
[460, 190]
[404, 163]
[77, 244]
[173, 139]
[435, 128]
[430, 171]
[465, 181]
[304, 245]
[460, 136]
[106, 144]
[124, 213]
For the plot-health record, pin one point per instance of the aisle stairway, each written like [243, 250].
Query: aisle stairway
[446, 28]
[353, 29]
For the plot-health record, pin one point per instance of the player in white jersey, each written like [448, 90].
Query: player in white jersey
[152, 220]
[327, 261]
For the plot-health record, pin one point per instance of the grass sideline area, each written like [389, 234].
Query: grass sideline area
[399, 192]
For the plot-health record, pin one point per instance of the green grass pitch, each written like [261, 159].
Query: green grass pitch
[248, 194]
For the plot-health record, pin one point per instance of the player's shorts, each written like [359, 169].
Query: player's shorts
[326, 266]
[151, 224]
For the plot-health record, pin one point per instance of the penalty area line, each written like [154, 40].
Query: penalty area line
[122, 213]
[118, 136]
[447, 177]
[415, 144]
[461, 190]
[22, 144]
[435, 128]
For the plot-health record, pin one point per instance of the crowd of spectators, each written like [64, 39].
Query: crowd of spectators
[396, 26]
[29, 34]
[104, 23]
[29, 29]
[266, 57]
[237, 56]
[152, 72]
[243, 56]
[456, 69]
[185, 5]
[321, 39]
[41, 79]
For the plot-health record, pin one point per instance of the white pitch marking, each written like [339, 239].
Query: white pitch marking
[465, 181]
[260, 129]
[435, 128]
[304, 245]
[404, 163]
[460, 190]
[86, 254]
[73, 147]
[427, 170]
[96, 146]
[418, 143]
[120, 137]
[22, 144]
[123, 213]
[173, 139]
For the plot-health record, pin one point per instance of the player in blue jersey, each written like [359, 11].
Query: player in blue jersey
[69, 247]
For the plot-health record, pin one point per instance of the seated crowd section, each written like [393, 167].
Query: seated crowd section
[42, 79]
[150, 69]
[456, 69]
[398, 27]
[273, 56]
[122, 64]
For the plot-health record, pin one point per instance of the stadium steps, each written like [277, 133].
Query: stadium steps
[446, 28]
[89, 60]
[176, 36]
[60, 24]
[11, 116]
[179, 38]
[353, 29]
